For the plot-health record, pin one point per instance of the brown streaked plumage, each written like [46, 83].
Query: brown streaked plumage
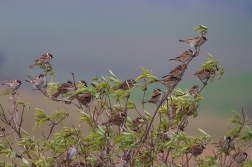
[225, 142]
[195, 42]
[43, 59]
[84, 98]
[123, 161]
[63, 88]
[194, 91]
[12, 84]
[117, 119]
[127, 84]
[169, 82]
[156, 96]
[167, 135]
[196, 150]
[176, 72]
[37, 81]
[239, 157]
[202, 74]
[184, 57]
[137, 121]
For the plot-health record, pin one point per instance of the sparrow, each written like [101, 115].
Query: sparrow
[43, 59]
[68, 153]
[184, 57]
[137, 124]
[84, 98]
[117, 119]
[123, 161]
[12, 84]
[75, 86]
[127, 84]
[194, 91]
[196, 150]
[138, 120]
[195, 42]
[167, 135]
[169, 82]
[38, 80]
[156, 96]
[240, 157]
[173, 109]
[202, 75]
[225, 142]
[63, 88]
[176, 72]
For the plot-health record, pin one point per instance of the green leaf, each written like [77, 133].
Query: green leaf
[139, 77]
[130, 104]
[20, 102]
[5, 151]
[148, 115]
[201, 29]
[25, 133]
[202, 132]
[111, 73]
[12, 155]
[25, 161]
[40, 117]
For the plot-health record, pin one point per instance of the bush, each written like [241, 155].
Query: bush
[156, 139]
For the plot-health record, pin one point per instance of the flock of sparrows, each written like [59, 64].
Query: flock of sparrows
[118, 119]
[37, 81]
[175, 74]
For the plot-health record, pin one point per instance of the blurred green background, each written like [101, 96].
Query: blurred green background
[90, 37]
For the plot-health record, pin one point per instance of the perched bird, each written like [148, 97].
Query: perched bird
[127, 84]
[225, 142]
[12, 84]
[137, 124]
[38, 81]
[121, 164]
[176, 72]
[63, 88]
[43, 59]
[117, 119]
[138, 120]
[123, 161]
[196, 150]
[184, 57]
[156, 96]
[194, 91]
[167, 135]
[82, 82]
[84, 98]
[75, 86]
[68, 153]
[173, 111]
[169, 82]
[173, 108]
[195, 42]
[202, 75]
[239, 157]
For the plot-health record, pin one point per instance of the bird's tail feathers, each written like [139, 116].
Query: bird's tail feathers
[31, 66]
[56, 95]
[181, 40]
